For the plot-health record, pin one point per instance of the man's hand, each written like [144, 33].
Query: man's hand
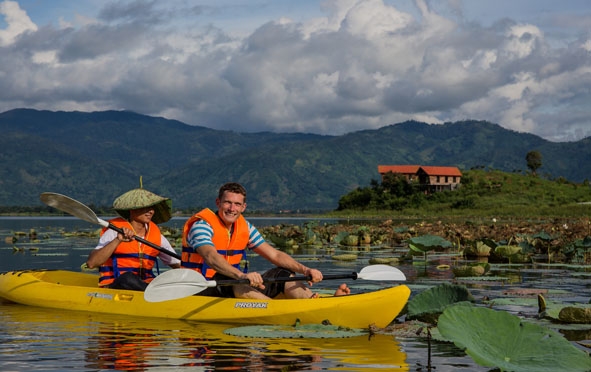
[315, 275]
[255, 279]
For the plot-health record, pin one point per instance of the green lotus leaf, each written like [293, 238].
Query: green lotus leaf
[471, 270]
[542, 235]
[340, 236]
[345, 257]
[482, 249]
[491, 243]
[578, 314]
[428, 242]
[554, 311]
[507, 250]
[309, 237]
[429, 304]
[415, 248]
[350, 240]
[384, 260]
[296, 331]
[499, 339]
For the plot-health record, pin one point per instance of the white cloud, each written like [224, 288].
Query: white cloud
[17, 20]
[45, 57]
[521, 40]
[363, 64]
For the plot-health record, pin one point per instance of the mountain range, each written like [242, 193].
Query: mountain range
[95, 156]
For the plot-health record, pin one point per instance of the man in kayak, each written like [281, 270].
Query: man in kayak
[215, 244]
[125, 263]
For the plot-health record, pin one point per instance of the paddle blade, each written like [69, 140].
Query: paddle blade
[381, 272]
[176, 283]
[71, 206]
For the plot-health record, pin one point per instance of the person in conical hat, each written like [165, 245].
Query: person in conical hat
[142, 198]
[125, 263]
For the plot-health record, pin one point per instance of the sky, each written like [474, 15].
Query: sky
[311, 66]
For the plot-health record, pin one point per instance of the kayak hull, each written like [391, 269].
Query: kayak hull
[60, 289]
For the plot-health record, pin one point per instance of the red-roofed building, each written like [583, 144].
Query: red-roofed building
[431, 178]
[408, 171]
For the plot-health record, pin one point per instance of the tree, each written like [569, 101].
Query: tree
[396, 185]
[534, 161]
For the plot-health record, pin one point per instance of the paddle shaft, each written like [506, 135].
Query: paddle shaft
[77, 209]
[144, 241]
[287, 279]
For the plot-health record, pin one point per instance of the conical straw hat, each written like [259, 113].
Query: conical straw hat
[141, 198]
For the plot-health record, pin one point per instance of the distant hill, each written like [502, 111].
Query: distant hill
[94, 157]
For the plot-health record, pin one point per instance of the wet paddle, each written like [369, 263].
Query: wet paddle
[77, 209]
[179, 283]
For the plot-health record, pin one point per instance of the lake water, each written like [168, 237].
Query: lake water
[55, 340]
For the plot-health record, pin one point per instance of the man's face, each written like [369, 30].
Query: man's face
[230, 207]
[143, 215]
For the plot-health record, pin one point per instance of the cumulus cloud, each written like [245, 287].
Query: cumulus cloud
[365, 64]
[17, 22]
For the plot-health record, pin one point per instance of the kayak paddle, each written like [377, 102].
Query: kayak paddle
[178, 283]
[77, 209]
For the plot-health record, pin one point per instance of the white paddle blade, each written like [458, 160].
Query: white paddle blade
[70, 206]
[176, 283]
[381, 272]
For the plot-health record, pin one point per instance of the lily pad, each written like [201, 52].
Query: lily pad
[578, 314]
[297, 331]
[472, 269]
[384, 260]
[502, 340]
[429, 304]
[427, 242]
[344, 257]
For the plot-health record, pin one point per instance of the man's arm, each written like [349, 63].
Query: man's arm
[218, 262]
[282, 259]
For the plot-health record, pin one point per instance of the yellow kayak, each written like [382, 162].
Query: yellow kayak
[79, 291]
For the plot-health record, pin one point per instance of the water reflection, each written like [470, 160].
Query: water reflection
[61, 340]
[34, 339]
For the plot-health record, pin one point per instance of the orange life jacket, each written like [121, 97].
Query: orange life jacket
[131, 256]
[233, 247]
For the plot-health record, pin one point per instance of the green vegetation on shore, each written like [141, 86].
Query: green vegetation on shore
[483, 193]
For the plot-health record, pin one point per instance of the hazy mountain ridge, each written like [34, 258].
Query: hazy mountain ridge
[94, 157]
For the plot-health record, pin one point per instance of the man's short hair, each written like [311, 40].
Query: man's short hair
[232, 187]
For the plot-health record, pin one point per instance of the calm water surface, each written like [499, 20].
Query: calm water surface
[55, 340]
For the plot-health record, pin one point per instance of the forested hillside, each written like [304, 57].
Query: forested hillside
[94, 157]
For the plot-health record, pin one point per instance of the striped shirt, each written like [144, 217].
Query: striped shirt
[201, 233]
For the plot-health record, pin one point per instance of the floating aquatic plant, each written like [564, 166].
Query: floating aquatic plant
[472, 269]
[295, 331]
[384, 260]
[429, 304]
[425, 243]
[478, 249]
[499, 339]
[344, 257]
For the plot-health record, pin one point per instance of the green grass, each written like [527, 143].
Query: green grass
[488, 194]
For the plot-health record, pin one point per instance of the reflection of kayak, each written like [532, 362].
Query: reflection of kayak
[105, 341]
[79, 291]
